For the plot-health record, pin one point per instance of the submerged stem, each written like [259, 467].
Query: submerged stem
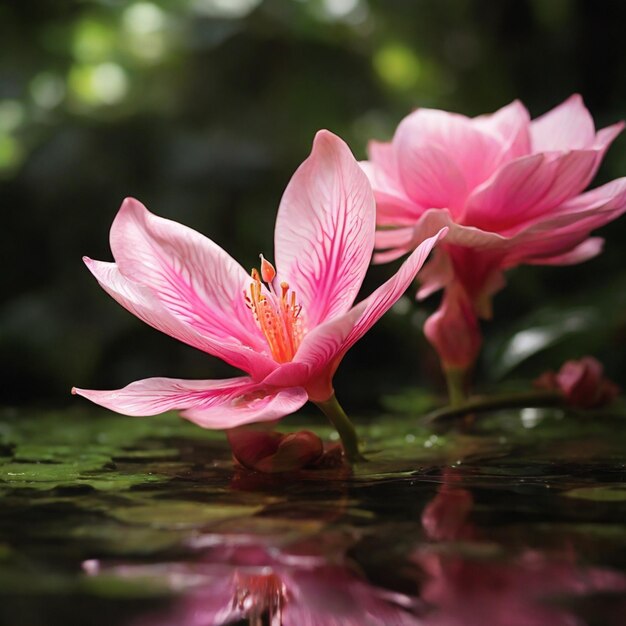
[455, 379]
[338, 418]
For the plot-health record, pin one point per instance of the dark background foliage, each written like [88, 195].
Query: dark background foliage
[203, 108]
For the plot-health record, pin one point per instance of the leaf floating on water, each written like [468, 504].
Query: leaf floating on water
[176, 514]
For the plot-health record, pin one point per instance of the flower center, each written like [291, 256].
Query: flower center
[276, 313]
[258, 596]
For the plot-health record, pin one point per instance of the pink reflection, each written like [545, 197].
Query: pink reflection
[460, 576]
[259, 585]
[527, 589]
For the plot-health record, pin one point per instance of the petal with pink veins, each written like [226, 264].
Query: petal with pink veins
[325, 230]
[142, 302]
[566, 127]
[324, 346]
[192, 277]
[209, 403]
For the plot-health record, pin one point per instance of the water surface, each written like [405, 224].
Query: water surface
[519, 520]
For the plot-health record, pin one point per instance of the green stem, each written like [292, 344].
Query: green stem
[492, 403]
[338, 418]
[455, 379]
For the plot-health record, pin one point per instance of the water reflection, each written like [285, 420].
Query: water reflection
[307, 583]
[452, 573]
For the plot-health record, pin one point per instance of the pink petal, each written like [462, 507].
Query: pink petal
[568, 126]
[568, 227]
[511, 123]
[324, 346]
[442, 156]
[583, 252]
[525, 188]
[144, 304]
[325, 230]
[600, 202]
[395, 210]
[192, 277]
[434, 220]
[209, 403]
[606, 136]
[436, 274]
[382, 168]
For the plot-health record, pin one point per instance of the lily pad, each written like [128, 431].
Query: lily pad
[168, 514]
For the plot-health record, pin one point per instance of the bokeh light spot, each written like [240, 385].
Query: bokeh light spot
[225, 8]
[398, 66]
[12, 115]
[47, 90]
[10, 152]
[93, 41]
[106, 83]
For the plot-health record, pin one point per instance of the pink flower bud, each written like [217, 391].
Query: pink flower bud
[582, 383]
[453, 330]
[271, 452]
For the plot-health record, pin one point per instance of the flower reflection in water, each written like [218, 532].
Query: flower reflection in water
[458, 576]
[530, 588]
[247, 583]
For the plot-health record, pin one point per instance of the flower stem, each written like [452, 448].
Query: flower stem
[455, 379]
[338, 418]
[492, 403]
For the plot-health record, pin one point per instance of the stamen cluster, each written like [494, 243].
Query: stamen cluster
[276, 314]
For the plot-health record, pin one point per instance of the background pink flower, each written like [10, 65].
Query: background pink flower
[510, 190]
[288, 329]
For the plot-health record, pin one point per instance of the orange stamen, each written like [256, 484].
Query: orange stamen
[278, 316]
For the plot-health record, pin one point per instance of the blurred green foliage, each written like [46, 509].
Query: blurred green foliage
[203, 108]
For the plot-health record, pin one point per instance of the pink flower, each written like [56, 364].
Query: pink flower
[287, 328]
[582, 383]
[510, 190]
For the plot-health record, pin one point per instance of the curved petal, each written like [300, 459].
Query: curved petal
[511, 124]
[583, 252]
[442, 156]
[395, 210]
[568, 126]
[324, 346]
[434, 220]
[192, 277]
[525, 188]
[325, 230]
[606, 136]
[141, 302]
[436, 274]
[209, 403]
[431, 178]
[569, 226]
[382, 168]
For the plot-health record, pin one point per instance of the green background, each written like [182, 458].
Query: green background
[202, 109]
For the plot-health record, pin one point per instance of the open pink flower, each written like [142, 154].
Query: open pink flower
[288, 329]
[510, 190]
